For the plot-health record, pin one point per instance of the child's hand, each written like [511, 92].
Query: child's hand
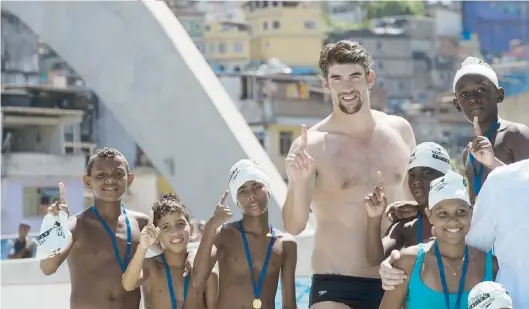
[376, 202]
[222, 213]
[149, 234]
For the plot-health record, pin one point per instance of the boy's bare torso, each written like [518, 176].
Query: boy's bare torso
[156, 289]
[94, 271]
[503, 141]
[346, 171]
[235, 285]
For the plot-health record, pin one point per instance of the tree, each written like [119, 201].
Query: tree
[377, 9]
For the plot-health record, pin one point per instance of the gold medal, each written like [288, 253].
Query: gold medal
[257, 303]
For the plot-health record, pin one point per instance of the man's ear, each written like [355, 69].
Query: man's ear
[371, 76]
[325, 84]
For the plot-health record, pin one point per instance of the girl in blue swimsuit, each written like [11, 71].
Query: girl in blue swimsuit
[442, 272]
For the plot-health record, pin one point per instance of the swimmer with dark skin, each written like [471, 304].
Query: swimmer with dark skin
[225, 243]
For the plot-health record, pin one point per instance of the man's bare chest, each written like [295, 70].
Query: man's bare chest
[347, 163]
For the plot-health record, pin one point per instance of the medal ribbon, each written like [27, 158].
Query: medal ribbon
[443, 277]
[169, 278]
[257, 287]
[479, 174]
[125, 262]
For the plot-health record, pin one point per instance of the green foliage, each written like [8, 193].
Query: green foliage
[377, 9]
[457, 166]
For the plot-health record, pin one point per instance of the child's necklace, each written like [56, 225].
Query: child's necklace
[454, 270]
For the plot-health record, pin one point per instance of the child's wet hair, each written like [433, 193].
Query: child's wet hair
[104, 153]
[169, 203]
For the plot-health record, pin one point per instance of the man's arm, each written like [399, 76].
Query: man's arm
[296, 208]
[483, 226]
[50, 265]
[408, 136]
[396, 298]
[288, 273]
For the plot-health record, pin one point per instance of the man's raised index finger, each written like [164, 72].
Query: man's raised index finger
[477, 129]
[304, 139]
[62, 193]
[380, 178]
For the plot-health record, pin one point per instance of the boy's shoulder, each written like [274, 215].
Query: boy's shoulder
[140, 217]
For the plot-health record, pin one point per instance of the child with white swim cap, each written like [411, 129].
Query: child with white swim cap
[443, 271]
[266, 250]
[428, 161]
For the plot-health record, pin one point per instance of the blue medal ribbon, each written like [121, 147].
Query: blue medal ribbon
[125, 262]
[479, 174]
[443, 277]
[170, 284]
[419, 228]
[257, 287]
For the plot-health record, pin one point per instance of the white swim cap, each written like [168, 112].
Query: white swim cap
[475, 66]
[430, 155]
[243, 171]
[450, 186]
[489, 295]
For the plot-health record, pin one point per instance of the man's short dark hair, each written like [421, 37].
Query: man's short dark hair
[344, 52]
[168, 204]
[105, 153]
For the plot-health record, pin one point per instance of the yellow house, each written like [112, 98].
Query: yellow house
[291, 31]
[227, 46]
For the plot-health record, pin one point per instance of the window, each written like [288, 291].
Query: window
[237, 47]
[275, 3]
[276, 25]
[222, 48]
[285, 141]
[265, 25]
[260, 137]
[309, 24]
[37, 200]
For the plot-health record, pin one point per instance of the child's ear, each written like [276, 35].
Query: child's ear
[191, 228]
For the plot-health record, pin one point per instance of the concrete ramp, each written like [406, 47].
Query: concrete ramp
[140, 61]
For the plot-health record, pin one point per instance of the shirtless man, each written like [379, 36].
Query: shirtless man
[333, 167]
[95, 265]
